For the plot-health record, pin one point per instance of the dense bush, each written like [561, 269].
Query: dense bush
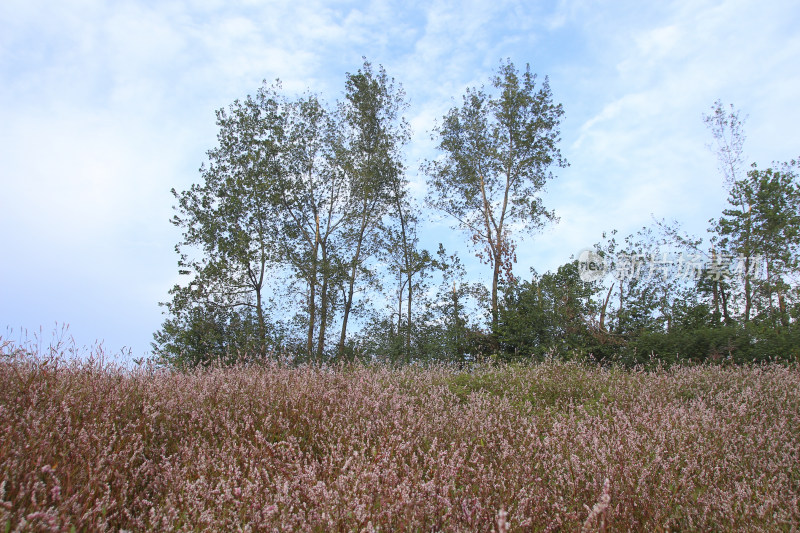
[715, 345]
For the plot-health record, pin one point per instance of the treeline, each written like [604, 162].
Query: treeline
[301, 239]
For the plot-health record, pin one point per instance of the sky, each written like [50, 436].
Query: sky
[107, 106]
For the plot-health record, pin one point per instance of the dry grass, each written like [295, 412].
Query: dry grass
[549, 447]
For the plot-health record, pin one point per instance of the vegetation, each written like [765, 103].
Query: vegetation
[302, 238]
[87, 445]
[498, 153]
[319, 371]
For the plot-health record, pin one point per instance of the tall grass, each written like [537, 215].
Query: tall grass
[556, 446]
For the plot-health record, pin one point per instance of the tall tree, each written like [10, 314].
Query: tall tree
[373, 133]
[763, 225]
[777, 229]
[727, 129]
[498, 151]
[407, 261]
[760, 224]
[314, 205]
[228, 243]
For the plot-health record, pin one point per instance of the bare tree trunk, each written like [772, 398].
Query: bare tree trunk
[748, 290]
[324, 303]
[400, 305]
[748, 297]
[348, 303]
[312, 307]
[311, 318]
[409, 274]
[312, 282]
[715, 288]
[724, 297]
[408, 320]
[495, 283]
[603, 309]
[262, 328]
[456, 325]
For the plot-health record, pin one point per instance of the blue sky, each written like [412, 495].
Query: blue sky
[105, 106]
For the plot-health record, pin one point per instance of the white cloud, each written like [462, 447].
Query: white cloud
[565, 11]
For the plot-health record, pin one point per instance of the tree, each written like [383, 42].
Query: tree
[763, 226]
[314, 205]
[409, 263]
[497, 154]
[373, 133]
[447, 329]
[727, 130]
[777, 230]
[393, 333]
[198, 332]
[649, 281]
[229, 219]
[552, 312]
[291, 204]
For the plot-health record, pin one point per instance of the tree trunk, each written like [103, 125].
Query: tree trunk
[748, 297]
[262, 328]
[348, 303]
[312, 309]
[724, 297]
[456, 326]
[495, 246]
[715, 288]
[782, 310]
[400, 307]
[603, 309]
[408, 321]
[409, 274]
[495, 281]
[323, 306]
[312, 287]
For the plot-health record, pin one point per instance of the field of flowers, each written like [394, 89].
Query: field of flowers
[548, 447]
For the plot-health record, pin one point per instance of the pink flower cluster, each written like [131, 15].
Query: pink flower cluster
[547, 447]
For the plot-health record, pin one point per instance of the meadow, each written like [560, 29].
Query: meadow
[554, 446]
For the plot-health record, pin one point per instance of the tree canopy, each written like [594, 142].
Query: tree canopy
[302, 238]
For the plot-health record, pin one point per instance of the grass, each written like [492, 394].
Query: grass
[89, 445]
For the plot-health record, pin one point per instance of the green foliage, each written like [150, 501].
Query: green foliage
[201, 335]
[228, 244]
[565, 386]
[762, 228]
[289, 207]
[373, 134]
[498, 154]
[724, 344]
[309, 206]
[551, 314]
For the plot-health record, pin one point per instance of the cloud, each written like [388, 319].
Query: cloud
[106, 106]
[639, 149]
